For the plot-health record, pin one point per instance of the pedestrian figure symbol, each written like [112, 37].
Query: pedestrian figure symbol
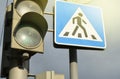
[79, 24]
[79, 27]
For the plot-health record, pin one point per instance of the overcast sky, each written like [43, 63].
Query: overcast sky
[92, 64]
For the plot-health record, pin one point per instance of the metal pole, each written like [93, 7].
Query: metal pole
[73, 56]
[18, 73]
[19, 67]
[73, 63]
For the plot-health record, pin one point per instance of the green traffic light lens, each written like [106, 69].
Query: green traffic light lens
[27, 36]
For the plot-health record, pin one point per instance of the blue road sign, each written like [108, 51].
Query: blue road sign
[79, 25]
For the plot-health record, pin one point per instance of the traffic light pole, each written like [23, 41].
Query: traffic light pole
[19, 73]
[73, 63]
[19, 68]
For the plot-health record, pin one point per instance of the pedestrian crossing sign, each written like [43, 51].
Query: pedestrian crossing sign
[79, 25]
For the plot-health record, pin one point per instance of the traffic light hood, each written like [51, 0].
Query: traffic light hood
[37, 20]
[41, 3]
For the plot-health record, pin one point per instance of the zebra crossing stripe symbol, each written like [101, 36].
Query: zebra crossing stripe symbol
[79, 27]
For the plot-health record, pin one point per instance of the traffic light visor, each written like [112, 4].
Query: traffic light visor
[27, 6]
[24, 6]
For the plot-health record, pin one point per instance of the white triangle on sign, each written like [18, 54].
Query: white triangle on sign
[79, 27]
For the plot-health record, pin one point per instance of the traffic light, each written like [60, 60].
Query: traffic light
[24, 32]
[28, 25]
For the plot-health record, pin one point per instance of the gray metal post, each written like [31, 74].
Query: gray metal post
[73, 57]
[18, 73]
[19, 67]
[73, 63]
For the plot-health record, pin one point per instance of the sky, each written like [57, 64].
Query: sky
[2, 14]
[92, 64]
